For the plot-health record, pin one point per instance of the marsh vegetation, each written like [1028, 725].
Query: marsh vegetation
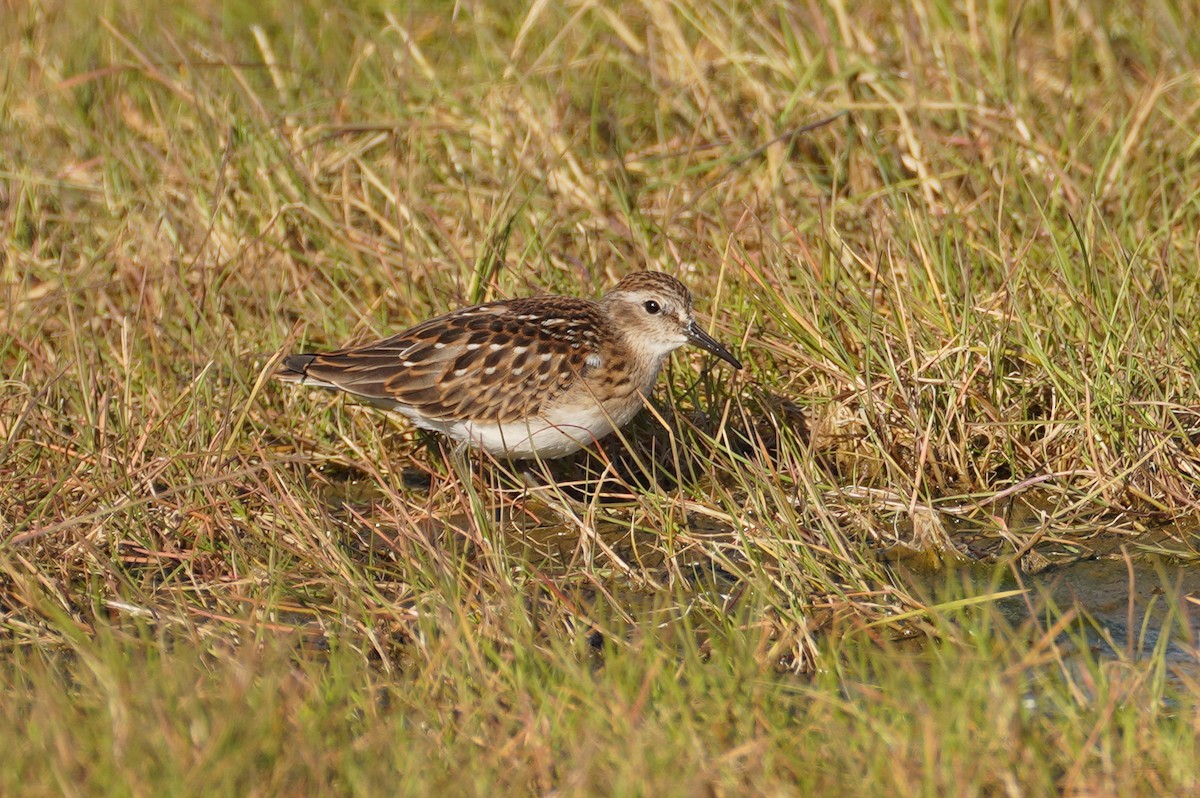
[967, 308]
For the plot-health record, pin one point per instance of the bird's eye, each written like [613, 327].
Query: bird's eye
[651, 307]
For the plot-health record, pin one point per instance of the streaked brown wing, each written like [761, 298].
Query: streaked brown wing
[463, 366]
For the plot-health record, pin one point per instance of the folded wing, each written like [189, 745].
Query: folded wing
[462, 366]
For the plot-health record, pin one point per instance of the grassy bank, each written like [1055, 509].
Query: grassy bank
[651, 714]
[966, 304]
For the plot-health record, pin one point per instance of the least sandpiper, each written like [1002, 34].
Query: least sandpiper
[537, 377]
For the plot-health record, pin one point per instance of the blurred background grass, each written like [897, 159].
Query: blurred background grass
[967, 307]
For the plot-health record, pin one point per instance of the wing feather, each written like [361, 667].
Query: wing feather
[461, 366]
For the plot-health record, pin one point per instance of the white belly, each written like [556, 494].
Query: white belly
[562, 432]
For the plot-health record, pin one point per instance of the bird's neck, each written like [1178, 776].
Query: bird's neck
[644, 363]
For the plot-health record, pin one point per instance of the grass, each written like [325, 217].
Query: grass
[135, 713]
[966, 306]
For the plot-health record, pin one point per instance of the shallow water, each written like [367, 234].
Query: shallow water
[1133, 604]
[1129, 607]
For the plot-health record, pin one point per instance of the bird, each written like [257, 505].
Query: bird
[535, 377]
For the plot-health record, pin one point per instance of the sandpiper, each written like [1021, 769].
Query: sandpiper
[539, 377]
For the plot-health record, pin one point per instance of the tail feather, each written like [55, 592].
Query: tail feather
[295, 369]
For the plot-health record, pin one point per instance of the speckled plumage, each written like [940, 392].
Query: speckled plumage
[534, 377]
